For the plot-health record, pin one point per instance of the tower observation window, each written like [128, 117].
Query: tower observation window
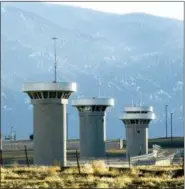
[53, 94]
[34, 95]
[136, 121]
[132, 121]
[59, 94]
[39, 94]
[30, 95]
[45, 94]
[136, 112]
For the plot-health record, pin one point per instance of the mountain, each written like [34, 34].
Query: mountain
[137, 58]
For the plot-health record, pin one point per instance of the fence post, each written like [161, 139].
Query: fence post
[1, 157]
[77, 159]
[183, 163]
[27, 161]
[129, 160]
[1, 163]
[107, 158]
[1, 150]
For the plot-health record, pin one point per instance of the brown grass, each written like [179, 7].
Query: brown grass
[97, 176]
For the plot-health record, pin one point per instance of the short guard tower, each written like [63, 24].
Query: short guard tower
[49, 116]
[136, 120]
[92, 125]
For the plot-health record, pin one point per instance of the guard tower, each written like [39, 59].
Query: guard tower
[92, 125]
[49, 118]
[136, 120]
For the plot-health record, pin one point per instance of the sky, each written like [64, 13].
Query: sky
[165, 9]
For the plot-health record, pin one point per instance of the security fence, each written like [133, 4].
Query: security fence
[14, 153]
[71, 144]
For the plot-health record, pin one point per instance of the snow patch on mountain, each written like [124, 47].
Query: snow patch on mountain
[162, 92]
[178, 87]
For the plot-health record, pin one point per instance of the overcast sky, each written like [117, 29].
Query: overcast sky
[164, 9]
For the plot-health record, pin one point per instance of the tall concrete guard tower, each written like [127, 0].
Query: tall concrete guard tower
[49, 118]
[92, 125]
[136, 120]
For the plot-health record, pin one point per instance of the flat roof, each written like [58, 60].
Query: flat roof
[93, 101]
[149, 115]
[138, 108]
[59, 86]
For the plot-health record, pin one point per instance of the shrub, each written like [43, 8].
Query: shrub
[87, 168]
[99, 167]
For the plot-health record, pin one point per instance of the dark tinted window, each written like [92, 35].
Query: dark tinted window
[45, 94]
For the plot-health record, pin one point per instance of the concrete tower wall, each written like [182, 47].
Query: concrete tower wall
[49, 109]
[137, 140]
[92, 113]
[136, 121]
[49, 131]
[92, 134]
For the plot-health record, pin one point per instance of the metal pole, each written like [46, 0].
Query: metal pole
[129, 160]
[77, 159]
[99, 85]
[26, 154]
[1, 150]
[1, 157]
[67, 127]
[166, 121]
[11, 130]
[55, 55]
[171, 127]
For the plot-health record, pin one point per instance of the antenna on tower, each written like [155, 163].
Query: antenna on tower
[11, 129]
[140, 99]
[55, 62]
[13, 134]
[132, 100]
[99, 85]
[140, 102]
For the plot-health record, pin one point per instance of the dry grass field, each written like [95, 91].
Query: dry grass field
[94, 175]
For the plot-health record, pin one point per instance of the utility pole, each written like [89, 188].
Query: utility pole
[55, 63]
[166, 109]
[67, 127]
[171, 127]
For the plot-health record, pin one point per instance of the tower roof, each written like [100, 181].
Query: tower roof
[93, 102]
[61, 86]
[138, 112]
[138, 109]
[129, 116]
